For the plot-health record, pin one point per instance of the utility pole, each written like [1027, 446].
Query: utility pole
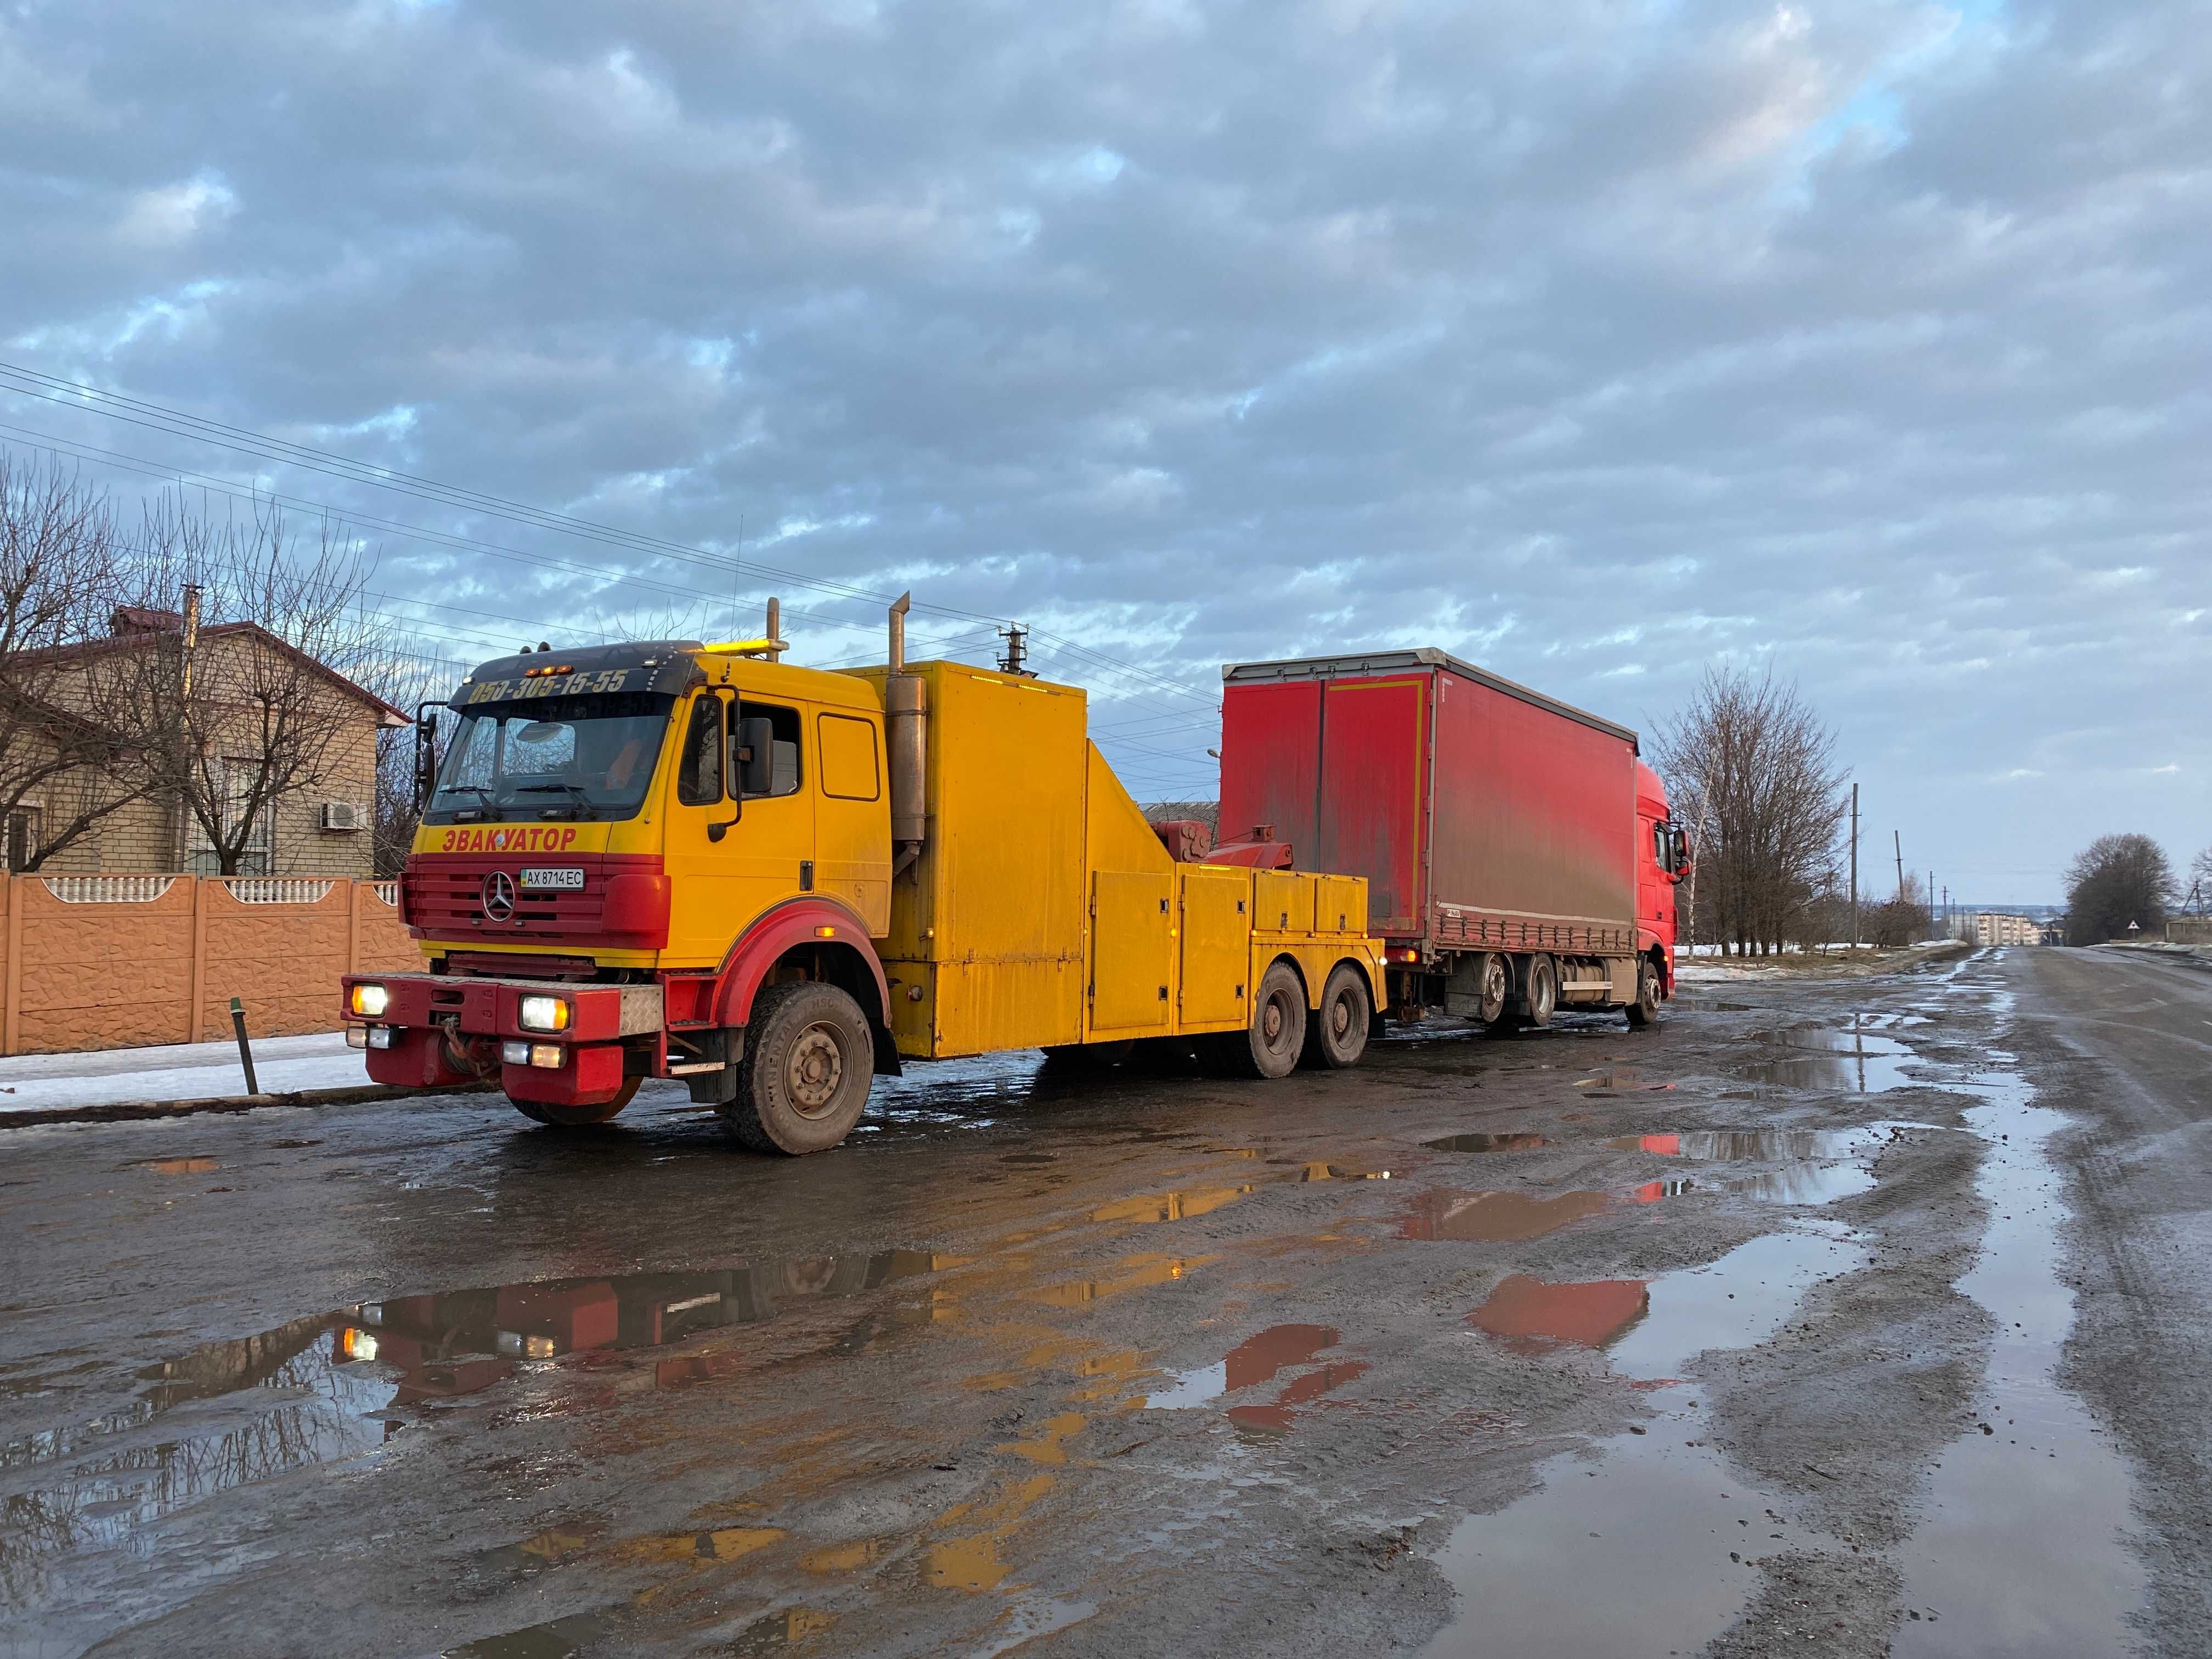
[1016, 661]
[1855, 866]
[1897, 837]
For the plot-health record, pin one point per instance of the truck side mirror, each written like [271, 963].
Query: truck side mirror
[733, 789]
[756, 756]
[426, 757]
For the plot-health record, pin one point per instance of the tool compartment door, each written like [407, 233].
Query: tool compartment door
[1131, 952]
[1216, 944]
[1339, 905]
[1282, 901]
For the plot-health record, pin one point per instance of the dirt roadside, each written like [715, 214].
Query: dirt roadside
[1588, 1342]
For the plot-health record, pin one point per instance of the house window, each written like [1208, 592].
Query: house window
[22, 837]
[257, 857]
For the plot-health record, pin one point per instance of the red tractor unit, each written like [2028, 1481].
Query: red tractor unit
[1518, 854]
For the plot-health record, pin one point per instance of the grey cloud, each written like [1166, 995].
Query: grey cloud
[1597, 340]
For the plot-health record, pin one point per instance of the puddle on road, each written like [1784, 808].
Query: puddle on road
[1256, 1362]
[1443, 1213]
[175, 1165]
[1490, 1143]
[2021, 1551]
[333, 1386]
[1170, 1207]
[1651, 1521]
[774, 1632]
[1856, 1059]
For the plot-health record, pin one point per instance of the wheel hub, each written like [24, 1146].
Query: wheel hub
[1270, 1022]
[816, 1069]
[1339, 1017]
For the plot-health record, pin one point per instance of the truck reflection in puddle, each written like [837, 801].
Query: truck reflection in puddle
[1442, 1214]
[458, 1342]
[331, 1386]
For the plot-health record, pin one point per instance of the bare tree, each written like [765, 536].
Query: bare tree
[1752, 771]
[2200, 881]
[67, 758]
[1902, 921]
[410, 680]
[239, 702]
[2114, 881]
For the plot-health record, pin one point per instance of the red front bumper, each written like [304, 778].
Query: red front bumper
[447, 1030]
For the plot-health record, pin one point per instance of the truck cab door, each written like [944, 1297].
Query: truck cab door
[765, 853]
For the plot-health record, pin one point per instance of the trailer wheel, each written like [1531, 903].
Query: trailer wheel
[1270, 1046]
[1493, 990]
[1336, 1036]
[804, 1080]
[577, 1117]
[1644, 1012]
[1543, 994]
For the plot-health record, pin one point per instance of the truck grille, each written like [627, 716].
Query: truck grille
[444, 900]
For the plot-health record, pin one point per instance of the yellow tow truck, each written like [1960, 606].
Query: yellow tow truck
[675, 860]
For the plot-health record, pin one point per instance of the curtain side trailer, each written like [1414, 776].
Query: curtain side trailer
[1518, 854]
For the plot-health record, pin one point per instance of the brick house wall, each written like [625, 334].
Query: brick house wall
[157, 836]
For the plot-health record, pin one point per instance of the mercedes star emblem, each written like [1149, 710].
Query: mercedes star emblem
[499, 895]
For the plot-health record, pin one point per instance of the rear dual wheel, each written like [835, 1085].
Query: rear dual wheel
[1336, 1035]
[1270, 1046]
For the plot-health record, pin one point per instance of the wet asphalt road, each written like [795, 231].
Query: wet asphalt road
[1755, 1334]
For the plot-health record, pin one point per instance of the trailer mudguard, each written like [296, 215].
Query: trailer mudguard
[795, 922]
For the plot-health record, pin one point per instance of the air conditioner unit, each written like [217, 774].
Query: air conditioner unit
[341, 815]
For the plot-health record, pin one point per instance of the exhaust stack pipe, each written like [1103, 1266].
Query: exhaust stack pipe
[906, 730]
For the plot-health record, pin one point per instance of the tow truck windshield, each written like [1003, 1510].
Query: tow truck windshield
[583, 756]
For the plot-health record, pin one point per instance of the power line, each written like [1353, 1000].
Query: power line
[54, 443]
[136, 411]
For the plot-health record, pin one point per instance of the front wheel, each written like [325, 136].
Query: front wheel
[577, 1117]
[1337, 1035]
[1644, 1012]
[804, 1080]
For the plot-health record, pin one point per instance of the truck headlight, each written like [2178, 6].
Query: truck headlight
[543, 1014]
[379, 1036]
[546, 1056]
[370, 1001]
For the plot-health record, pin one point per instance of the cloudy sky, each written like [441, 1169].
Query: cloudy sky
[1596, 340]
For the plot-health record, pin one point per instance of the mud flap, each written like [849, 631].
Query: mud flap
[887, 1054]
[720, 1086]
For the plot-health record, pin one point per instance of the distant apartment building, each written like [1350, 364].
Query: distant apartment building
[1998, 927]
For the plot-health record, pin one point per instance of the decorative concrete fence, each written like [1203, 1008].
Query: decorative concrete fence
[117, 962]
[2189, 930]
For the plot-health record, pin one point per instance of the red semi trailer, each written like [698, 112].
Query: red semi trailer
[1518, 854]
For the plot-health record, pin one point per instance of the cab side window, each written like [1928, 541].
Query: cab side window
[699, 772]
[780, 774]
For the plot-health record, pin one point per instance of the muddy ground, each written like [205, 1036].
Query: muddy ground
[1755, 1334]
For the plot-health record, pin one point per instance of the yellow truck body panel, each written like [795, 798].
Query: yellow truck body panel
[1044, 911]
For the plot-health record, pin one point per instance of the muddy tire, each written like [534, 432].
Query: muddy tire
[577, 1117]
[1541, 996]
[804, 1081]
[1644, 1012]
[1270, 1046]
[1336, 1034]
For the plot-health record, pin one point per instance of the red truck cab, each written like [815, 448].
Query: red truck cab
[1662, 859]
